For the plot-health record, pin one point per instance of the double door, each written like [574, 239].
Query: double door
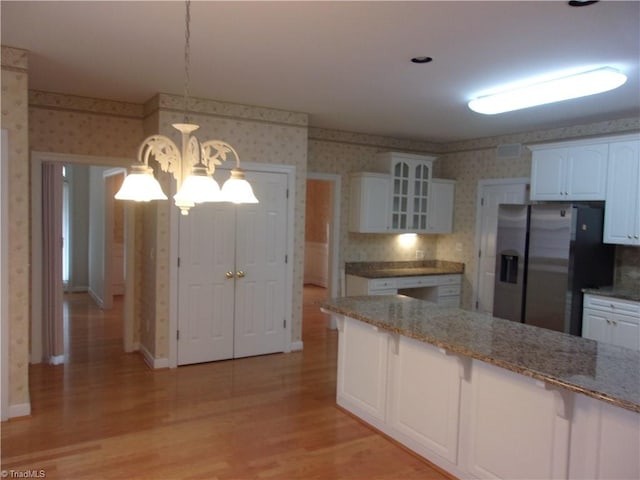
[232, 276]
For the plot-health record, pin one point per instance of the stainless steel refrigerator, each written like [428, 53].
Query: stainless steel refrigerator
[545, 255]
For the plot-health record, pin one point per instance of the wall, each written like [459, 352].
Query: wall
[342, 153]
[318, 212]
[96, 234]
[15, 120]
[79, 227]
[260, 135]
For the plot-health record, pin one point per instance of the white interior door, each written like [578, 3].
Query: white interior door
[205, 293]
[260, 255]
[492, 195]
[232, 276]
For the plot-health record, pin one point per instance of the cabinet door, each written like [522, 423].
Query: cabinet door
[441, 206]
[548, 174]
[425, 399]
[369, 203]
[362, 370]
[420, 196]
[622, 206]
[587, 172]
[625, 331]
[400, 196]
[595, 325]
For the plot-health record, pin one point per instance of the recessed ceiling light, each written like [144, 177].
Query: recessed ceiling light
[421, 59]
[556, 90]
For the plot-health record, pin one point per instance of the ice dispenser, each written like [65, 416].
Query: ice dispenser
[509, 267]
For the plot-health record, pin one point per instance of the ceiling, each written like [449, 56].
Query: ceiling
[346, 64]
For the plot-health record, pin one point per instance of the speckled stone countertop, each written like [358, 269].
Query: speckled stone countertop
[606, 372]
[403, 269]
[621, 293]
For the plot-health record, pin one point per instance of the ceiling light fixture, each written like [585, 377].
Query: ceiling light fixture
[192, 167]
[550, 91]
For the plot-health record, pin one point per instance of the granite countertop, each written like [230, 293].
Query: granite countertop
[614, 292]
[403, 269]
[603, 371]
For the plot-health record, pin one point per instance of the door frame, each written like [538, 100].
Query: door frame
[487, 182]
[37, 159]
[107, 292]
[334, 240]
[174, 230]
[4, 275]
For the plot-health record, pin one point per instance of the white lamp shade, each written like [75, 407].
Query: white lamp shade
[237, 190]
[140, 186]
[198, 189]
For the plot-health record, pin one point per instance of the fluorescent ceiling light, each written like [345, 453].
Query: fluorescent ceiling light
[563, 88]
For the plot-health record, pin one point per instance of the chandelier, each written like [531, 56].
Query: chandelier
[193, 166]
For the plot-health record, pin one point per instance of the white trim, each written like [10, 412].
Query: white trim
[290, 171]
[478, 236]
[4, 276]
[37, 159]
[334, 241]
[296, 346]
[20, 410]
[56, 360]
[107, 254]
[95, 298]
[153, 362]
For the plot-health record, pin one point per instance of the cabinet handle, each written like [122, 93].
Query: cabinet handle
[614, 322]
[608, 322]
[240, 274]
[229, 275]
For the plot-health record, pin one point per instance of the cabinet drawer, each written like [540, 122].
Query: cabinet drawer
[411, 282]
[451, 301]
[382, 283]
[447, 290]
[450, 279]
[614, 305]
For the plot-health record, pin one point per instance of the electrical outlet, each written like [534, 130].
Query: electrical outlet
[458, 247]
[419, 254]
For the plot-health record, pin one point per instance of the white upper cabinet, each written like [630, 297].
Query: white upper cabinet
[410, 185]
[440, 219]
[569, 171]
[369, 195]
[622, 206]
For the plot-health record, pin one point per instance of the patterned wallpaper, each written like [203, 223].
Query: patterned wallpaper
[15, 120]
[68, 124]
[260, 136]
[342, 153]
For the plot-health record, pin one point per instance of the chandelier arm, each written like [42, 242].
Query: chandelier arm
[220, 149]
[163, 149]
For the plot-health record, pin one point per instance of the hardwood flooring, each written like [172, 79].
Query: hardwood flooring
[105, 414]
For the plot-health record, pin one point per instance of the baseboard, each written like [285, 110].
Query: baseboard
[56, 360]
[99, 301]
[296, 346]
[20, 410]
[153, 362]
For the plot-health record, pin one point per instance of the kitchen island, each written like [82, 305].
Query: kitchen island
[483, 397]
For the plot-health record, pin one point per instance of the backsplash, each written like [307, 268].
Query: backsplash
[627, 268]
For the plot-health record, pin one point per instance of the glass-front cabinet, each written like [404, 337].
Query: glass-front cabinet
[411, 176]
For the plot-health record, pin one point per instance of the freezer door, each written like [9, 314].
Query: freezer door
[511, 243]
[548, 298]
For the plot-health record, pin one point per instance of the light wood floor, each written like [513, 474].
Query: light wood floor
[105, 414]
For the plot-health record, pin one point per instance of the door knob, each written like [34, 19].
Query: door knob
[229, 274]
[240, 274]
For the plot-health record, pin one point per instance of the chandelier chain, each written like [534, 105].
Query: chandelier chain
[187, 57]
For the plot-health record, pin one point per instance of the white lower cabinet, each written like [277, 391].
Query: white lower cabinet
[424, 398]
[362, 370]
[477, 420]
[611, 320]
[605, 441]
[513, 430]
